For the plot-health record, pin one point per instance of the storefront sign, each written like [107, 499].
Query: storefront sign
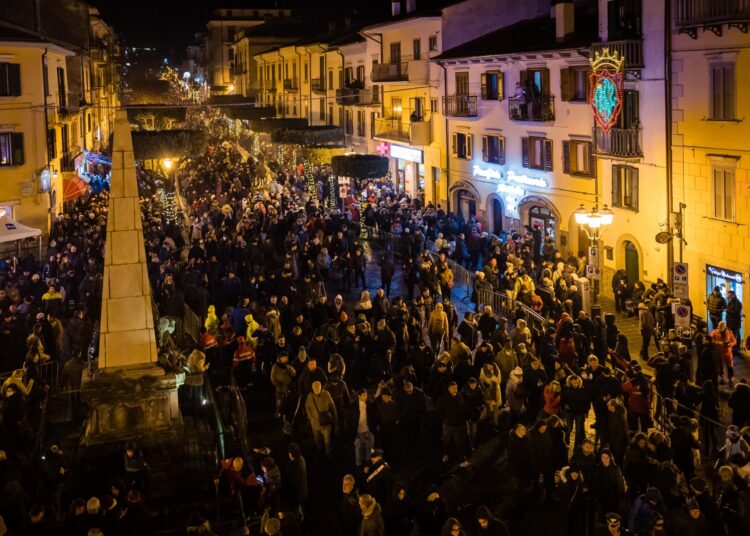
[44, 180]
[503, 188]
[512, 176]
[724, 274]
[605, 87]
[486, 173]
[405, 153]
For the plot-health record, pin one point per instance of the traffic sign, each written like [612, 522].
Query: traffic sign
[593, 272]
[682, 316]
[680, 280]
[594, 256]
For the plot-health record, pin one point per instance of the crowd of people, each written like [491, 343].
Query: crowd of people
[372, 380]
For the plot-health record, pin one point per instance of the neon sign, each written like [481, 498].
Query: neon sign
[605, 87]
[509, 189]
[405, 153]
[512, 176]
[486, 173]
[724, 274]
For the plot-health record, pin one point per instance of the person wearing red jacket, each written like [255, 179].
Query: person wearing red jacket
[725, 342]
[639, 394]
[243, 362]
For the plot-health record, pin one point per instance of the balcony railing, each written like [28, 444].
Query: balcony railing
[318, 85]
[460, 106]
[404, 71]
[357, 97]
[291, 84]
[67, 161]
[622, 142]
[271, 85]
[418, 133]
[238, 69]
[631, 50]
[540, 108]
[693, 14]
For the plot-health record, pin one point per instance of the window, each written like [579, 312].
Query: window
[349, 123]
[723, 193]
[51, 144]
[11, 149]
[417, 47]
[574, 84]
[722, 91]
[61, 93]
[536, 153]
[330, 115]
[395, 49]
[361, 73]
[434, 106]
[330, 80]
[493, 149]
[625, 187]
[349, 75]
[432, 42]
[578, 158]
[322, 115]
[461, 147]
[305, 73]
[535, 81]
[88, 122]
[361, 126]
[493, 85]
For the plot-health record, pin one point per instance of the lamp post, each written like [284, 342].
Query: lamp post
[594, 223]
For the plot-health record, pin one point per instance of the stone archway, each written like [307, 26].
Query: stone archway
[537, 210]
[629, 256]
[496, 214]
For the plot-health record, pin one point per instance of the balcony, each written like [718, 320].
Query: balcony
[67, 160]
[270, 86]
[239, 69]
[357, 97]
[711, 15]
[405, 71]
[318, 85]
[619, 142]
[540, 108]
[631, 50]
[414, 133]
[460, 106]
[291, 84]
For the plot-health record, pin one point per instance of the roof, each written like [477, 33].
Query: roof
[530, 35]
[277, 28]
[21, 35]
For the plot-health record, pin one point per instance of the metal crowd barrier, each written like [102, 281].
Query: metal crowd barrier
[507, 307]
[191, 324]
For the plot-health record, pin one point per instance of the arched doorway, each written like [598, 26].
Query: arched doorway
[543, 218]
[497, 216]
[466, 204]
[632, 262]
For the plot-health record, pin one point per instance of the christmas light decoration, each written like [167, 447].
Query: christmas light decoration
[605, 87]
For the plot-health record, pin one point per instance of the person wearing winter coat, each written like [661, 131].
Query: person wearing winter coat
[489, 379]
[453, 414]
[474, 405]
[576, 402]
[739, 403]
[690, 521]
[609, 484]
[572, 492]
[321, 412]
[437, 327]
[520, 460]
[543, 456]
[515, 393]
[212, 321]
[724, 341]
[349, 515]
[616, 434]
[488, 525]
[282, 376]
[506, 360]
[372, 517]
[400, 513]
[552, 396]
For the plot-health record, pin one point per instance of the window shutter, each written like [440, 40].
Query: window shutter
[14, 79]
[16, 143]
[565, 86]
[454, 145]
[483, 79]
[728, 194]
[634, 188]
[616, 186]
[592, 161]
[587, 83]
[501, 150]
[524, 75]
[718, 194]
[728, 96]
[500, 85]
[545, 82]
[525, 152]
[547, 155]
[485, 148]
[566, 156]
[469, 138]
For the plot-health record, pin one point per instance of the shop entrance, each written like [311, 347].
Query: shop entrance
[467, 205]
[631, 262]
[543, 218]
[497, 217]
[726, 280]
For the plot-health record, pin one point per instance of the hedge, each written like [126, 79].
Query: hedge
[318, 136]
[272, 125]
[360, 166]
[150, 144]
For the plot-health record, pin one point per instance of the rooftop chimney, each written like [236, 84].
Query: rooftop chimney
[563, 11]
[411, 6]
[395, 8]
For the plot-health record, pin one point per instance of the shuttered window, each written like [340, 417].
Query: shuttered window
[722, 92]
[10, 79]
[723, 194]
[493, 149]
[574, 84]
[493, 85]
[461, 145]
[625, 187]
[536, 153]
[578, 158]
[11, 149]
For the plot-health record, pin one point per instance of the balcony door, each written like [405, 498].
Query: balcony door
[630, 115]
[417, 109]
[535, 82]
[462, 83]
[395, 53]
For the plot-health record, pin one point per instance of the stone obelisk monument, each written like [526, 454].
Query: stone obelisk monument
[130, 396]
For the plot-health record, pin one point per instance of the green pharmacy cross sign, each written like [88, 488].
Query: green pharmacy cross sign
[605, 87]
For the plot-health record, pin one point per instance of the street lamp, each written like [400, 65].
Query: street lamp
[167, 163]
[594, 223]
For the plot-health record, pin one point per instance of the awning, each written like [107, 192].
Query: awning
[73, 186]
[11, 230]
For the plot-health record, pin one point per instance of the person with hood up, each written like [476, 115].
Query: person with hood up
[243, 362]
[489, 379]
[488, 525]
[212, 321]
[252, 327]
[690, 521]
[572, 492]
[609, 484]
[736, 451]
[506, 360]
[515, 393]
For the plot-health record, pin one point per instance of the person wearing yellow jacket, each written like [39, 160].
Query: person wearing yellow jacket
[252, 325]
[212, 321]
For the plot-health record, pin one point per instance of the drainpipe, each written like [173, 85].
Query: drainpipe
[299, 80]
[668, 129]
[343, 71]
[447, 142]
[46, 118]
[283, 89]
[309, 96]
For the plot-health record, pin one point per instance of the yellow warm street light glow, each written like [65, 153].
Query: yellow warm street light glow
[167, 163]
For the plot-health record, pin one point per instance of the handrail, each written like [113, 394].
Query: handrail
[211, 400]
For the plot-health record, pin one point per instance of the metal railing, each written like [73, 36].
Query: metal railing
[318, 84]
[692, 13]
[624, 142]
[629, 49]
[390, 72]
[508, 307]
[191, 324]
[412, 132]
[352, 96]
[540, 108]
[460, 106]
[291, 84]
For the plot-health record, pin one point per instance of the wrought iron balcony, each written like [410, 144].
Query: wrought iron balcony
[540, 108]
[357, 97]
[630, 49]
[711, 14]
[67, 160]
[291, 84]
[405, 71]
[318, 85]
[619, 142]
[460, 106]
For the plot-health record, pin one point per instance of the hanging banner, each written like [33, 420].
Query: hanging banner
[605, 87]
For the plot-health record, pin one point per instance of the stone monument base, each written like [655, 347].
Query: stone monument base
[138, 402]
